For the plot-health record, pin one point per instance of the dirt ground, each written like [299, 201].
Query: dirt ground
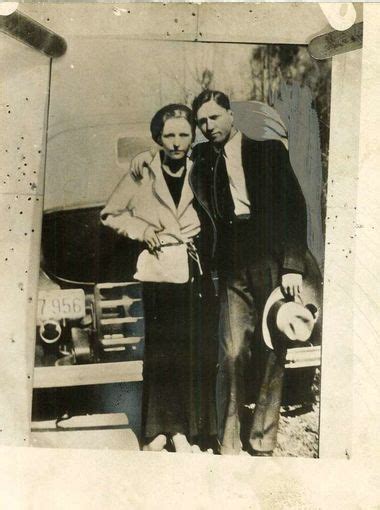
[298, 433]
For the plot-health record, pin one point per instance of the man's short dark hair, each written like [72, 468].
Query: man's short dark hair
[170, 111]
[211, 95]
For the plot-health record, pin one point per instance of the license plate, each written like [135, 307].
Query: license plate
[61, 304]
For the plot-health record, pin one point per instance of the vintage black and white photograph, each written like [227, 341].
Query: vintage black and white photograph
[182, 248]
[189, 252]
[182, 245]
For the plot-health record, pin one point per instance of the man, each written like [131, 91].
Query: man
[253, 220]
[257, 212]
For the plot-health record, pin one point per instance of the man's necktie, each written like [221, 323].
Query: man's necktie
[223, 202]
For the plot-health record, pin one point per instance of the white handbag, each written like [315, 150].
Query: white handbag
[169, 265]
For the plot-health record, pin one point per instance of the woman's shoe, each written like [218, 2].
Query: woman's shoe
[181, 444]
[156, 445]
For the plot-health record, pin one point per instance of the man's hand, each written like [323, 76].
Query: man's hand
[151, 238]
[291, 284]
[138, 163]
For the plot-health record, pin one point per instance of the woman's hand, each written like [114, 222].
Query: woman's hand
[151, 238]
[291, 284]
[138, 163]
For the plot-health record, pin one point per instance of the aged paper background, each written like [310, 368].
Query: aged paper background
[348, 473]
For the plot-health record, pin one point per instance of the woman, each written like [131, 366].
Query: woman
[178, 293]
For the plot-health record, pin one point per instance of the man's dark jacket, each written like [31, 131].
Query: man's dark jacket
[278, 225]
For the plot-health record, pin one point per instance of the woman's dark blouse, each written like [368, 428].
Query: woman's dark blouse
[175, 185]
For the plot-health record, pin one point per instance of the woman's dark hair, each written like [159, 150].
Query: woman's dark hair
[170, 111]
[211, 95]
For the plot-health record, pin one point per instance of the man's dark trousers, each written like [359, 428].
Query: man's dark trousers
[246, 280]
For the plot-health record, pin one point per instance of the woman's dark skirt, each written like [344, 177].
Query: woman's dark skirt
[180, 359]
